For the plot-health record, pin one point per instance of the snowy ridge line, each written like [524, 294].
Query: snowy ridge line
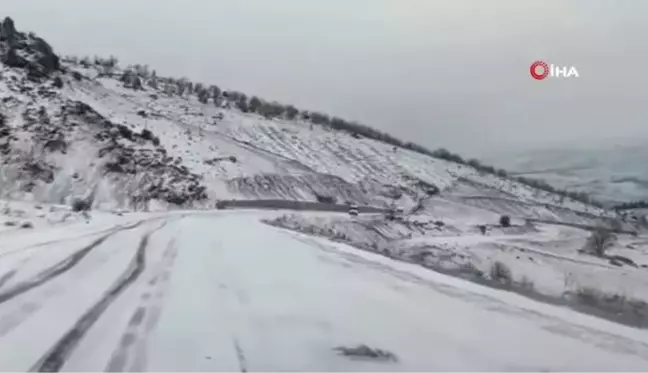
[283, 204]
[54, 360]
[61, 267]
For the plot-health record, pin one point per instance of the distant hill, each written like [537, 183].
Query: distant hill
[614, 173]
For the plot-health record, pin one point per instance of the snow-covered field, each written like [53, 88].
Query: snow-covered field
[542, 260]
[197, 292]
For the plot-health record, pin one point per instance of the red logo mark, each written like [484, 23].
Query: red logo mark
[539, 65]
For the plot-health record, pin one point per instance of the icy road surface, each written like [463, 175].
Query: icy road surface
[224, 292]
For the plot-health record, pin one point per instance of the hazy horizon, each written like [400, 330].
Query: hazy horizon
[440, 73]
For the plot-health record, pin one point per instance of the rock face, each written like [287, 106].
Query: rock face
[126, 152]
[27, 51]
[39, 133]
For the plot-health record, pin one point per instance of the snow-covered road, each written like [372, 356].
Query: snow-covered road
[223, 292]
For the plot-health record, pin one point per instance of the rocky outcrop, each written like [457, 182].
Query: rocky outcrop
[27, 51]
[126, 156]
[127, 153]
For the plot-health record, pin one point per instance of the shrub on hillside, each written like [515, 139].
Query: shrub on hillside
[599, 242]
[319, 118]
[137, 83]
[505, 221]
[58, 82]
[198, 88]
[628, 310]
[215, 92]
[291, 112]
[448, 156]
[79, 204]
[271, 110]
[242, 105]
[203, 95]
[475, 163]
[254, 104]
[526, 284]
[501, 273]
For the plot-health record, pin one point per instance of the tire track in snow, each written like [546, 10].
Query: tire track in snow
[144, 318]
[24, 309]
[6, 277]
[61, 267]
[54, 360]
[60, 240]
[240, 356]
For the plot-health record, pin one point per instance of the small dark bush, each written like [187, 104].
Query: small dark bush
[58, 82]
[147, 135]
[505, 221]
[125, 132]
[599, 241]
[501, 272]
[291, 112]
[364, 351]
[137, 83]
[255, 104]
[79, 204]
[526, 284]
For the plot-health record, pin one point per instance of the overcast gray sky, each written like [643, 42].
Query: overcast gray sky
[450, 73]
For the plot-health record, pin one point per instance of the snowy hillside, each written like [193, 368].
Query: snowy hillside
[136, 142]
